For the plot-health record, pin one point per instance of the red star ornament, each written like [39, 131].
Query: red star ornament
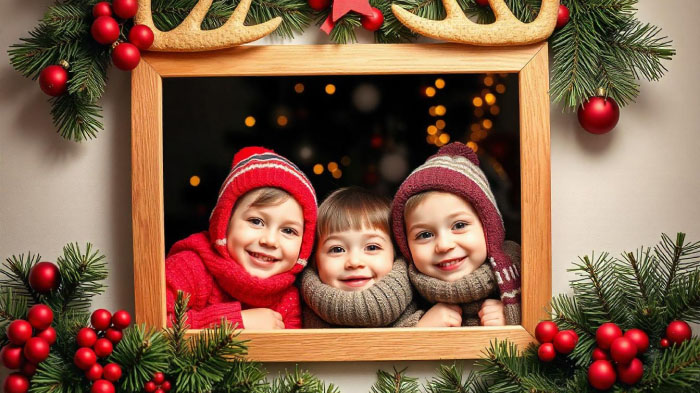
[342, 7]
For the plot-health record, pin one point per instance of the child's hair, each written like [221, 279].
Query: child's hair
[414, 201]
[353, 208]
[267, 196]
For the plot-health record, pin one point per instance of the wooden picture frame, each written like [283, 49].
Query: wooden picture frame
[529, 62]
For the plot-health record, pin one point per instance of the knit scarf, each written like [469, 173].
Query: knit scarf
[380, 305]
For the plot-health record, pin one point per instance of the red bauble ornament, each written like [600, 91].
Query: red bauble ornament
[126, 56]
[158, 378]
[166, 386]
[36, 350]
[599, 354]
[102, 386]
[12, 357]
[53, 81]
[160, 390]
[101, 319]
[623, 350]
[28, 369]
[373, 22]
[482, 3]
[678, 331]
[86, 337]
[601, 374]
[94, 372]
[114, 335]
[103, 348]
[664, 343]
[606, 334]
[44, 276]
[84, 358]
[630, 373]
[546, 352]
[112, 372]
[319, 5]
[48, 334]
[102, 8]
[105, 30]
[19, 331]
[125, 9]
[562, 16]
[40, 316]
[639, 338]
[141, 36]
[16, 383]
[150, 387]
[545, 331]
[121, 319]
[599, 115]
[565, 341]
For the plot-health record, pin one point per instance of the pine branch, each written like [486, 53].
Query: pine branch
[76, 118]
[641, 49]
[11, 307]
[89, 73]
[68, 20]
[677, 369]
[58, 375]
[450, 380]
[16, 270]
[396, 382]
[141, 353]
[81, 278]
[243, 377]
[176, 335]
[569, 315]
[596, 290]
[300, 381]
[683, 301]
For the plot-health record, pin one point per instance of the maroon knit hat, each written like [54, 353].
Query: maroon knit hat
[455, 169]
[256, 167]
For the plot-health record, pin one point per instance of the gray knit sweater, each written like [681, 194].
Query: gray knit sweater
[389, 302]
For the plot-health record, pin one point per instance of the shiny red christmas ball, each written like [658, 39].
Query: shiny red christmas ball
[160, 390]
[44, 276]
[102, 386]
[546, 352]
[599, 354]
[482, 3]
[678, 331]
[112, 372]
[598, 115]
[19, 331]
[601, 374]
[36, 350]
[562, 16]
[639, 338]
[121, 319]
[86, 337]
[158, 378]
[664, 343]
[105, 30]
[28, 369]
[16, 383]
[114, 335]
[319, 5]
[12, 357]
[102, 8]
[606, 334]
[565, 341]
[53, 81]
[94, 372]
[150, 387]
[373, 22]
[630, 373]
[40, 316]
[141, 36]
[84, 358]
[101, 319]
[126, 56]
[103, 347]
[48, 334]
[545, 331]
[125, 9]
[166, 386]
[623, 350]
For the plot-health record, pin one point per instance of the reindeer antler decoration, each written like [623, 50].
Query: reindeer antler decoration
[189, 36]
[505, 31]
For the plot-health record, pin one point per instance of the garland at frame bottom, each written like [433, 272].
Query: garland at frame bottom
[48, 334]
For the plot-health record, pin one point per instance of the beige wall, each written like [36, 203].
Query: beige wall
[613, 192]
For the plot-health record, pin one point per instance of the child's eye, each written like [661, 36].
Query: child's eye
[424, 235]
[255, 221]
[336, 250]
[290, 231]
[373, 247]
[459, 225]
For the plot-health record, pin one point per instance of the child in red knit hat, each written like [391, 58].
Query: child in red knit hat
[260, 235]
[445, 220]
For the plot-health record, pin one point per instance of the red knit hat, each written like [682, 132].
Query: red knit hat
[455, 169]
[256, 167]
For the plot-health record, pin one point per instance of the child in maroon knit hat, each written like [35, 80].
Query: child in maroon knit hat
[260, 235]
[445, 220]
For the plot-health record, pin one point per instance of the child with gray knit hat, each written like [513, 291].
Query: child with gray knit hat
[356, 280]
[446, 222]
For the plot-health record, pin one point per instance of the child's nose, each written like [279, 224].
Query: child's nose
[444, 243]
[354, 261]
[269, 239]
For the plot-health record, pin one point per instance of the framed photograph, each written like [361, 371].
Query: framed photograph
[347, 115]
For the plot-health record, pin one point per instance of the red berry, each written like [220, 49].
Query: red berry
[678, 331]
[158, 378]
[102, 386]
[114, 335]
[482, 3]
[373, 22]
[94, 372]
[606, 334]
[166, 386]
[44, 276]
[125, 9]
[103, 348]
[105, 30]
[19, 331]
[160, 390]
[545, 331]
[562, 16]
[86, 337]
[36, 350]
[623, 350]
[319, 5]
[150, 387]
[121, 319]
[631, 373]
[48, 334]
[12, 357]
[28, 369]
[101, 319]
[40, 316]
[84, 358]
[112, 372]
[16, 383]
[664, 343]
[126, 56]
[639, 338]
[599, 354]
[141, 36]
[601, 374]
[546, 352]
[102, 8]
[565, 341]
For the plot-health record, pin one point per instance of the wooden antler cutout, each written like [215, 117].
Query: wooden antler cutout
[507, 30]
[189, 36]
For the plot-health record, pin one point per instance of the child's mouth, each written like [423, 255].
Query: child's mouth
[262, 257]
[450, 264]
[356, 282]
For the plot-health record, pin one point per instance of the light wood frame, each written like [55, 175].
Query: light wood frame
[531, 64]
